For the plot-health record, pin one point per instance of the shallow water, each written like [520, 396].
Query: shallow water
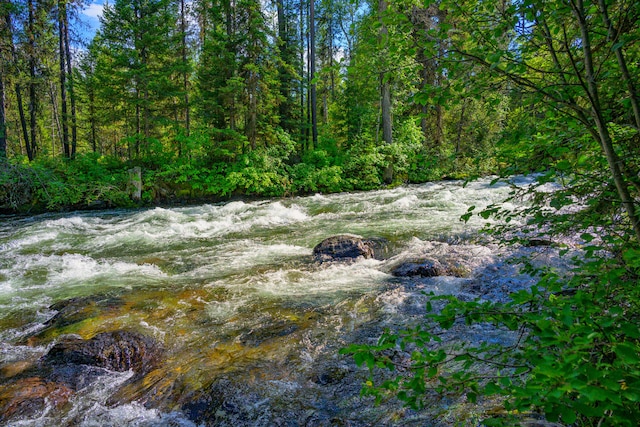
[233, 295]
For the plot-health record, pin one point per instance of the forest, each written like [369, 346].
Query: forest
[220, 98]
[211, 99]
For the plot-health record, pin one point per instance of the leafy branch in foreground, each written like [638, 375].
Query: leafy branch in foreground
[574, 353]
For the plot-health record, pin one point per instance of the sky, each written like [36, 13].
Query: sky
[91, 16]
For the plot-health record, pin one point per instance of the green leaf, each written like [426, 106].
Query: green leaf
[628, 353]
[568, 414]
[617, 45]
[631, 330]
[632, 257]
[494, 57]
[586, 237]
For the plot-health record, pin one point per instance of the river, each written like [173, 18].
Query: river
[249, 323]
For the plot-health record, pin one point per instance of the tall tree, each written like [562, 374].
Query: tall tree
[67, 69]
[33, 79]
[7, 10]
[139, 44]
[185, 65]
[429, 52]
[385, 86]
[288, 65]
[3, 119]
[312, 73]
[4, 36]
[62, 40]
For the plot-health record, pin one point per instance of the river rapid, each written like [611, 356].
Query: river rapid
[249, 324]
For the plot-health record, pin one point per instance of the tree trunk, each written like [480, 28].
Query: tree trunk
[185, 74]
[626, 76]
[3, 121]
[385, 87]
[229, 14]
[252, 119]
[63, 80]
[33, 99]
[284, 107]
[312, 73]
[303, 122]
[17, 86]
[92, 120]
[136, 148]
[72, 94]
[55, 118]
[385, 95]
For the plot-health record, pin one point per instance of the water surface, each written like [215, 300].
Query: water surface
[234, 296]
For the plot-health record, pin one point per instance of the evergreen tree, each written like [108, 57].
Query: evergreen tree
[139, 42]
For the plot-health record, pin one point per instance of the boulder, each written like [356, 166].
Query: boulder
[532, 243]
[117, 351]
[429, 268]
[343, 247]
[425, 268]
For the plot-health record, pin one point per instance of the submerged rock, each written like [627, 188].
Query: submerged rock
[29, 396]
[117, 351]
[74, 310]
[343, 247]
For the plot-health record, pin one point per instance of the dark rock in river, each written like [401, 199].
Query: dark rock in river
[330, 376]
[343, 247]
[428, 268]
[77, 309]
[29, 396]
[423, 269]
[117, 351]
[257, 336]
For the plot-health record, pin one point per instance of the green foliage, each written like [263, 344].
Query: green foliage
[574, 349]
[574, 355]
[58, 184]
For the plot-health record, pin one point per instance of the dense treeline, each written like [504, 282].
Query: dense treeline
[213, 98]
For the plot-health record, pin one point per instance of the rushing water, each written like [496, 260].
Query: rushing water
[250, 324]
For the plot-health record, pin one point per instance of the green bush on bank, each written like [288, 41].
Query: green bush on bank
[56, 184]
[94, 181]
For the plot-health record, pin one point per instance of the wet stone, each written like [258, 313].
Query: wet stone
[538, 242]
[75, 377]
[30, 396]
[330, 376]
[223, 403]
[75, 310]
[426, 268]
[343, 247]
[256, 337]
[117, 351]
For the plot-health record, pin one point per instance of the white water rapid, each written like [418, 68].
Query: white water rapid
[249, 324]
